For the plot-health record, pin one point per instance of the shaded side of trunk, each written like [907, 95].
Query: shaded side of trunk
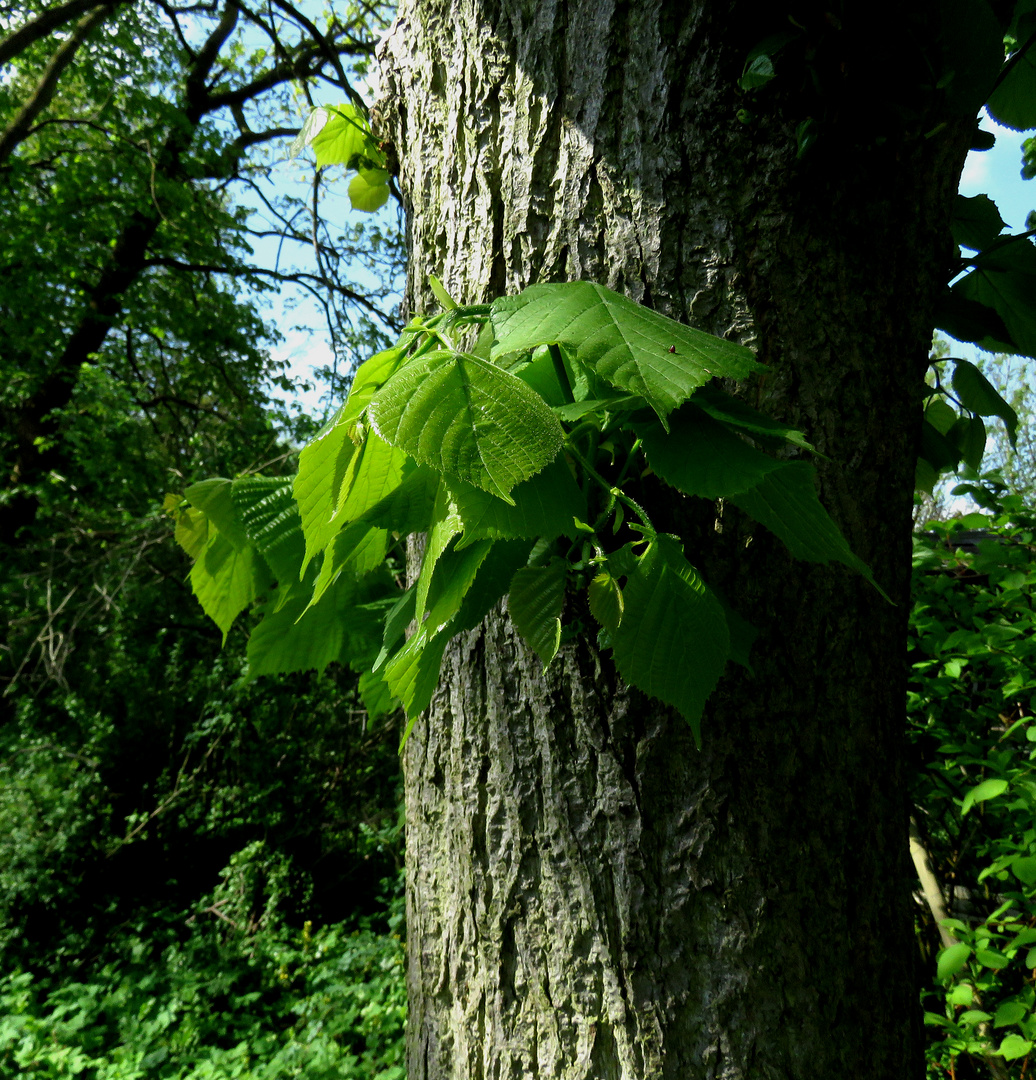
[589, 895]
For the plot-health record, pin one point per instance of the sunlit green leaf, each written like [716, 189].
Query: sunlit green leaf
[191, 531]
[468, 419]
[226, 580]
[1010, 1012]
[342, 138]
[605, 598]
[1014, 1047]
[632, 347]
[988, 789]
[270, 517]
[369, 190]
[413, 673]
[215, 499]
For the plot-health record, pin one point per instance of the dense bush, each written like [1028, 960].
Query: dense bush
[973, 729]
[231, 991]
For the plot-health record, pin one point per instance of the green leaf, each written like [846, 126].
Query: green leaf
[961, 995]
[1004, 278]
[226, 580]
[974, 1016]
[373, 473]
[951, 960]
[270, 517]
[535, 602]
[605, 599]
[325, 462]
[976, 222]
[311, 127]
[554, 373]
[735, 413]
[446, 525]
[1013, 102]
[344, 626]
[978, 394]
[991, 958]
[369, 190]
[1011, 1012]
[439, 290]
[758, 72]
[940, 415]
[375, 694]
[468, 419]
[323, 466]
[939, 451]
[786, 502]
[969, 320]
[491, 583]
[214, 498]
[673, 640]
[988, 789]
[1024, 869]
[413, 673]
[406, 508]
[343, 138]
[357, 549]
[543, 506]
[191, 531]
[968, 434]
[632, 347]
[456, 573]
[701, 456]
[399, 617]
[1014, 1046]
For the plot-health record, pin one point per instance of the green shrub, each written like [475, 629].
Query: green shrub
[972, 725]
[236, 993]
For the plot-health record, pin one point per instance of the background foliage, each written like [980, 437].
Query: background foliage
[199, 875]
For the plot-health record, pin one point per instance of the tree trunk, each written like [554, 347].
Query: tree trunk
[590, 895]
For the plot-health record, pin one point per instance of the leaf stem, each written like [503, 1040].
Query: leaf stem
[614, 492]
[559, 370]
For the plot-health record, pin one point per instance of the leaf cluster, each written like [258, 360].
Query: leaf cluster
[512, 436]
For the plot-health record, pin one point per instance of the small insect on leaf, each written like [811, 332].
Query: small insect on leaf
[672, 348]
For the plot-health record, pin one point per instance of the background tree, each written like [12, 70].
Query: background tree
[126, 188]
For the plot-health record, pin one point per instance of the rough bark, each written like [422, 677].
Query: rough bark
[589, 895]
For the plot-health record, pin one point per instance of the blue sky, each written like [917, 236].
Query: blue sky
[997, 173]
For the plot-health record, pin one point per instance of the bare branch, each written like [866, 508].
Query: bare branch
[298, 277]
[196, 93]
